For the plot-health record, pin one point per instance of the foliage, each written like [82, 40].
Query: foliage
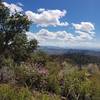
[29, 77]
[8, 92]
[13, 40]
[45, 96]
[23, 73]
[39, 58]
[77, 86]
[53, 85]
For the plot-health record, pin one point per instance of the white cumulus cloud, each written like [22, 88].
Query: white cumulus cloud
[45, 36]
[84, 26]
[85, 31]
[46, 18]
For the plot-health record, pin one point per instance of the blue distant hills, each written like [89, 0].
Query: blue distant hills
[59, 51]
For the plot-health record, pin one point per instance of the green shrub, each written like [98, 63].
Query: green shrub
[53, 84]
[6, 70]
[23, 73]
[24, 94]
[45, 96]
[30, 77]
[8, 92]
[77, 86]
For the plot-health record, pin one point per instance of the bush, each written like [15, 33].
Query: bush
[8, 92]
[39, 59]
[23, 74]
[45, 96]
[6, 70]
[24, 94]
[30, 78]
[77, 86]
[53, 84]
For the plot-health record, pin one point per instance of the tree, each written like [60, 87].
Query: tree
[13, 40]
[32, 45]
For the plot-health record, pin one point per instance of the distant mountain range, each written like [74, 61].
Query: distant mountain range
[59, 51]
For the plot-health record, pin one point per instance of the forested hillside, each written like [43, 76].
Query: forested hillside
[27, 73]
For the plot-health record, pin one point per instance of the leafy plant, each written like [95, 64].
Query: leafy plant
[8, 92]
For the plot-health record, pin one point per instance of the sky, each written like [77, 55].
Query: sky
[61, 23]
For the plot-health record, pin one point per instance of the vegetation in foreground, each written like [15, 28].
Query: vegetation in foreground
[29, 74]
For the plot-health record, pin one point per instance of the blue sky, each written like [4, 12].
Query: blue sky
[64, 23]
